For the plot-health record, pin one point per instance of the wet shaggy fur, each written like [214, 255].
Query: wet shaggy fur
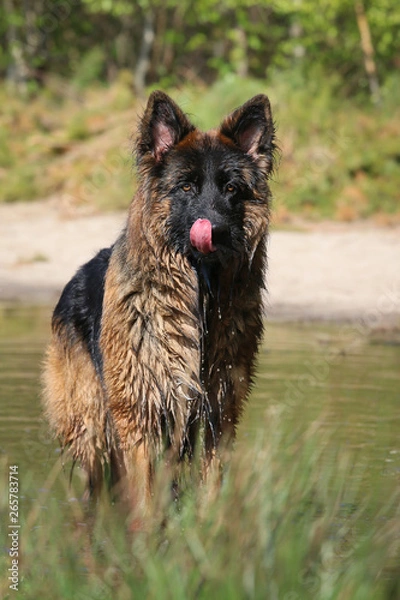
[154, 341]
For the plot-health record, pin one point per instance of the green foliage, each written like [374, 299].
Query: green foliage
[327, 32]
[20, 185]
[77, 129]
[336, 156]
[90, 68]
[337, 159]
[206, 39]
[6, 158]
[213, 103]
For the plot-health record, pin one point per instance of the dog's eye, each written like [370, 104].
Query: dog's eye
[230, 188]
[186, 187]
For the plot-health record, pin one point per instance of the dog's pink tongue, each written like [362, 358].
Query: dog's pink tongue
[201, 236]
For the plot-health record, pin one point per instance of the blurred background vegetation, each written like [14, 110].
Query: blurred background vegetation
[74, 75]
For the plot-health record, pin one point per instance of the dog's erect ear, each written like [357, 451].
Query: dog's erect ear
[163, 125]
[251, 128]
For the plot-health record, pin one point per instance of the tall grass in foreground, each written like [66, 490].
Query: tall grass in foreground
[290, 523]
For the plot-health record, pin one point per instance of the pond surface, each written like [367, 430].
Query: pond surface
[332, 378]
[342, 382]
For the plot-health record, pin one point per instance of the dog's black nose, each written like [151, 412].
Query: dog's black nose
[221, 235]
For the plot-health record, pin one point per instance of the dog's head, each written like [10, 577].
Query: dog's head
[210, 189]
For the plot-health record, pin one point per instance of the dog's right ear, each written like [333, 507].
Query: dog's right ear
[163, 126]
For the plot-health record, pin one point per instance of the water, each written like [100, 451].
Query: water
[341, 383]
[24, 436]
[334, 379]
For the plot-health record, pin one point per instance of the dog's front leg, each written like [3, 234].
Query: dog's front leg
[136, 485]
[218, 440]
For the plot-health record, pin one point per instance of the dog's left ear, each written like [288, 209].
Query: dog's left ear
[163, 125]
[252, 129]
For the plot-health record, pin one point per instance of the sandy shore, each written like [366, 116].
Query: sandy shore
[325, 272]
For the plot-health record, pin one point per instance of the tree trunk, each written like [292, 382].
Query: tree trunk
[18, 70]
[295, 33]
[158, 46]
[143, 62]
[368, 52]
[240, 52]
[34, 38]
[123, 42]
[169, 50]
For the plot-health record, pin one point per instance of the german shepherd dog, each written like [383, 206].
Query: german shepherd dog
[154, 339]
